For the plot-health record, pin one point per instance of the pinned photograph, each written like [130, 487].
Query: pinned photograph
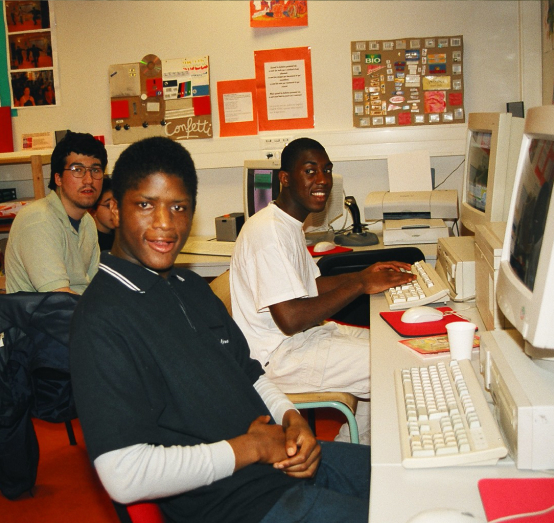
[27, 16]
[33, 88]
[30, 50]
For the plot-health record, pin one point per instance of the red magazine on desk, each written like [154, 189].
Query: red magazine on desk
[414, 330]
[503, 497]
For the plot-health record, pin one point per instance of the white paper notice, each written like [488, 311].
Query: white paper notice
[285, 84]
[238, 107]
[410, 171]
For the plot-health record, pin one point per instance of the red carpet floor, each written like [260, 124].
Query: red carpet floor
[67, 488]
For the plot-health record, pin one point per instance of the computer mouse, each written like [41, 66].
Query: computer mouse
[445, 515]
[324, 246]
[421, 314]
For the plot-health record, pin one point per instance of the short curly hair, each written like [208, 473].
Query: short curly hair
[79, 143]
[149, 156]
[294, 149]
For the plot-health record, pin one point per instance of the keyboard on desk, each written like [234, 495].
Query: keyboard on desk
[444, 417]
[209, 247]
[428, 288]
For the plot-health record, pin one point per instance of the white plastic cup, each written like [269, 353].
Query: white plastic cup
[460, 339]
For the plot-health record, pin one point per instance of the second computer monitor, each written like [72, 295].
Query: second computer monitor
[492, 151]
[261, 184]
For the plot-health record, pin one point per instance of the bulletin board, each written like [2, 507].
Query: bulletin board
[155, 97]
[408, 81]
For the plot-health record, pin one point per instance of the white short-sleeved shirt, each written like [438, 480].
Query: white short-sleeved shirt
[270, 264]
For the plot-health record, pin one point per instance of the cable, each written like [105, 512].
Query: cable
[461, 163]
[515, 517]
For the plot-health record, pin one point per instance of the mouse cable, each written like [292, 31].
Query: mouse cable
[515, 517]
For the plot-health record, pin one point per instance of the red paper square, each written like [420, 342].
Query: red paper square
[404, 119]
[455, 98]
[358, 84]
[201, 105]
[120, 109]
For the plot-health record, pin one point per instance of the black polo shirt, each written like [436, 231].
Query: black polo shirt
[161, 362]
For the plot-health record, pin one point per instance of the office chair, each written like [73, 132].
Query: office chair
[34, 380]
[143, 512]
[342, 401]
[357, 312]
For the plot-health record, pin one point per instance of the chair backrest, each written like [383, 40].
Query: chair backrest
[357, 312]
[357, 260]
[220, 287]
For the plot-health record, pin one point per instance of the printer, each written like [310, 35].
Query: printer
[412, 217]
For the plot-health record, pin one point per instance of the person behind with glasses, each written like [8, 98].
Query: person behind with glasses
[53, 243]
[103, 217]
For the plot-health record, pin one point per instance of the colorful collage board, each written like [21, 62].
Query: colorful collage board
[408, 81]
[155, 97]
[31, 53]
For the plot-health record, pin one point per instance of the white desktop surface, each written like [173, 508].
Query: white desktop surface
[397, 494]
[211, 266]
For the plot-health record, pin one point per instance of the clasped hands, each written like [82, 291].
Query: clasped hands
[290, 447]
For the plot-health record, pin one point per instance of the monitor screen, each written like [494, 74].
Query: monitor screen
[531, 210]
[478, 158]
[261, 185]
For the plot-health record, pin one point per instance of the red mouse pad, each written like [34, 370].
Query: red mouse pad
[503, 497]
[413, 330]
[336, 250]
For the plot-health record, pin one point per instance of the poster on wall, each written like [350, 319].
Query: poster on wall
[407, 81]
[279, 13]
[284, 89]
[238, 109]
[155, 97]
[30, 52]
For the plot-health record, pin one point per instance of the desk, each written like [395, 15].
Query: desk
[211, 266]
[397, 493]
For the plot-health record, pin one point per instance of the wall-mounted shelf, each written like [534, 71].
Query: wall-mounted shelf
[37, 160]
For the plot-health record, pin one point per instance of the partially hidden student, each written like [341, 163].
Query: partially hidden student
[103, 217]
[172, 407]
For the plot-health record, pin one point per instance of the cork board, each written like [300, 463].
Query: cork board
[407, 81]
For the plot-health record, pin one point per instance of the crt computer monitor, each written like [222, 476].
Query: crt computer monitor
[492, 150]
[525, 286]
[260, 184]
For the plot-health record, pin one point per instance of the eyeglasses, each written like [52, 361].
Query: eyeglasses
[79, 171]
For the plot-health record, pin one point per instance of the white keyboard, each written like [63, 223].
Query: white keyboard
[428, 288]
[444, 417]
[209, 247]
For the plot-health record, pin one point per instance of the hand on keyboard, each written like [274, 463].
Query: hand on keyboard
[426, 287]
[383, 275]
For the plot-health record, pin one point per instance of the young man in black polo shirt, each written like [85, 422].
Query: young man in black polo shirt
[171, 404]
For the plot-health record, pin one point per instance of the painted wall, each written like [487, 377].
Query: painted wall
[502, 62]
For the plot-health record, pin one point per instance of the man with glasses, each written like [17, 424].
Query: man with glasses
[53, 243]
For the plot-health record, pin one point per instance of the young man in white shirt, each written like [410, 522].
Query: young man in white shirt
[280, 300]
